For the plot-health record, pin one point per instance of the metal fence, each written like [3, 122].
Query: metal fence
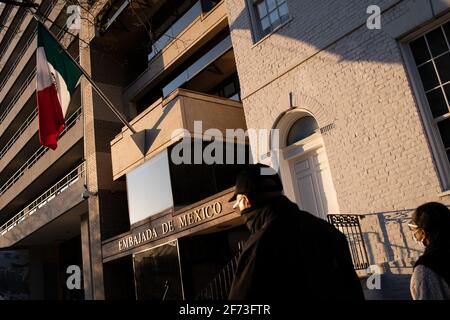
[29, 78]
[44, 198]
[350, 227]
[22, 88]
[19, 57]
[219, 287]
[39, 153]
[19, 132]
[12, 31]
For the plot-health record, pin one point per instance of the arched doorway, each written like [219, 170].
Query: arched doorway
[304, 164]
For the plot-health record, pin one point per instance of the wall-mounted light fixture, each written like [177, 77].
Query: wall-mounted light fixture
[292, 100]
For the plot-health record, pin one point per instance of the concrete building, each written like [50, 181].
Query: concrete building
[182, 230]
[40, 197]
[362, 125]
[50, 201]
[85, 206]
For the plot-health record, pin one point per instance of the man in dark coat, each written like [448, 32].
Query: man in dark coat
[290, 253]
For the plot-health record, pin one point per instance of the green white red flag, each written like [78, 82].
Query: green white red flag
[57, 77]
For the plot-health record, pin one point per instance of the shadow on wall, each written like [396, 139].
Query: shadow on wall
[388, 238]
[391, 247]
[322, 25]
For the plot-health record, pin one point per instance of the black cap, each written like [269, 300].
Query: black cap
[256, 179]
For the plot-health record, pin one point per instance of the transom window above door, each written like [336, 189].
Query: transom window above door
[301, 129]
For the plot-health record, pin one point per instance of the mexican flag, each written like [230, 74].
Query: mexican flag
[57, 77]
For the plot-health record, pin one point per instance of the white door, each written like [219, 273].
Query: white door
[314, 189]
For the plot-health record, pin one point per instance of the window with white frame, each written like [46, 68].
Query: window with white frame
[267, 15]
[431, 54]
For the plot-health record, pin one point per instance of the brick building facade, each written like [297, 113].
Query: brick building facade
[363, 123]
[360, 85]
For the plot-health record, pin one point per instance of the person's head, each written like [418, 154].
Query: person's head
[430, 224]
[256, 183]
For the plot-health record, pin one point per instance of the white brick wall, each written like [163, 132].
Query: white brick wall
[351, 76]
[378, 153]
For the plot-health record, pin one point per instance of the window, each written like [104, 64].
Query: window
[149, 188]
[229, 88]
[301, 129]
[431, 54]
[208, 5]
[157, 273]
[269, 14]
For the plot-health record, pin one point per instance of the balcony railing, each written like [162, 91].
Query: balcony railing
[16, 62]
[18, 133]
[175, 29]
[44, 198]
[12, 33]
[5, 14]
[24, 48]
[18, 95]
[24, 13]
[27, 81]
[38, 154]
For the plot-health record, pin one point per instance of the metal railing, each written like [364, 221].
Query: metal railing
[18, 58]
[176, 28]
[49, 8]
[30, 77]
[18, 94]
[39, 153]
[19, 132]
[349, 225]
[5, 15]
[44, 198]
[10, 106]
[45, 13]
[4, 45]
[219, 288]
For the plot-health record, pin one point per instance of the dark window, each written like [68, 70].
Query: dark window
[301, 129]
[193, 182]
[208, 5]
[444, 129]
[269, 14]
[431, 53]
[443, 67]
[157, 273]
[420, 51]
[428, 76]
[437, 102]
[229, 88]
[436, 41]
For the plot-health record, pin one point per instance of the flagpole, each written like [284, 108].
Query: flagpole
[88, 78]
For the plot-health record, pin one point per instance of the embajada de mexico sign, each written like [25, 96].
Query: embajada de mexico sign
[172, 225]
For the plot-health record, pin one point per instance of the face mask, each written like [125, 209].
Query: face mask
[420, 243]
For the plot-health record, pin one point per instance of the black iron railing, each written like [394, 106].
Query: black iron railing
[350, 227]
[219, 287]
